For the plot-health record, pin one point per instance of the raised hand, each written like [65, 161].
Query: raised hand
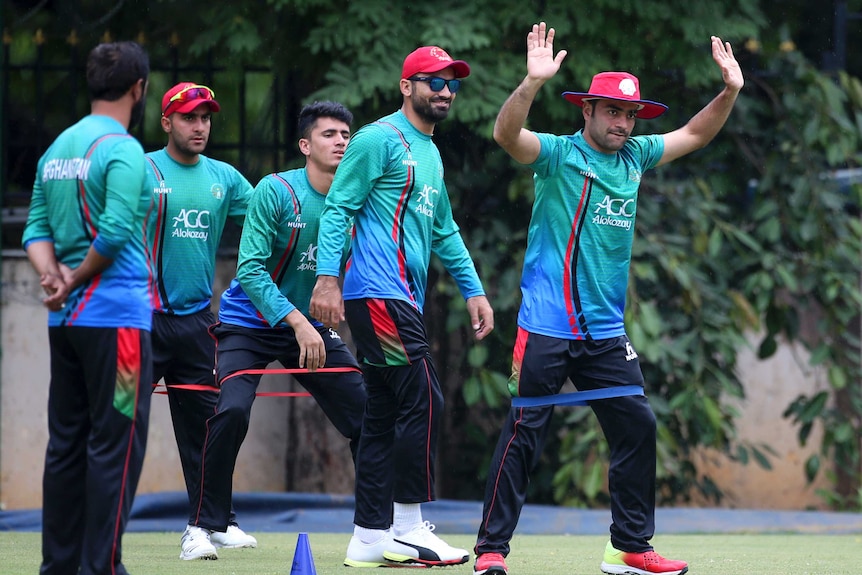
[731, 73]
[541, 62]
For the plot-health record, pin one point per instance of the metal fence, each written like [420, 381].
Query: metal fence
[43, 91]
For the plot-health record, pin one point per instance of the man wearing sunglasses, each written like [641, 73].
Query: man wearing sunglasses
[391, 182]
[193, 196]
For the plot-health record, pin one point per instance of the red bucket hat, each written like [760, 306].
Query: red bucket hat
[618, 86]
[186, 96]
[432, 59]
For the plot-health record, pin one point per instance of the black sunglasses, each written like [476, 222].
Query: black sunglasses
[436, 83]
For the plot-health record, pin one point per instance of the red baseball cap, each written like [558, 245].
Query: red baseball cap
[432, 59]
[618, 86]
[186, 96]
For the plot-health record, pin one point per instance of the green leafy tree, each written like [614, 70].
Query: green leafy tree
[745, 236]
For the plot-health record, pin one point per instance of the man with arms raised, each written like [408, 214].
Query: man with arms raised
[570, 325]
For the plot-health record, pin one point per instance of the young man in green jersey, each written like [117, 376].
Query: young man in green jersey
[391, 184]
[194, 195]
[263, 316]
[570, 325]
[84, 236]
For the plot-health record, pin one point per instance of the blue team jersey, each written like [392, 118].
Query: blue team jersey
[391, 182]
[90, 190]
[580, 237]
[192, 205]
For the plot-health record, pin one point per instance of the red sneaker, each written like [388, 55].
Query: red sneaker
[616, 562]
[490, 564]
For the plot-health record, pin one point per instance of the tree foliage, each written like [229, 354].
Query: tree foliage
[747, 236]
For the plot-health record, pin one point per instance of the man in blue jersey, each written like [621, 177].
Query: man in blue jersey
[570, 325]
[391, 182]
[264, 317]
[84, 236]
[194, 196]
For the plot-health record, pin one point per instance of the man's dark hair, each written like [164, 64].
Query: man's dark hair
[311, 112]
[113, 68]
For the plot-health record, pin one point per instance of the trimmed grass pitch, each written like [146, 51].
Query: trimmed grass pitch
[738, 554]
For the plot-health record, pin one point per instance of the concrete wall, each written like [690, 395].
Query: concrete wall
[286, 431]
[771, 386]
[290, 442]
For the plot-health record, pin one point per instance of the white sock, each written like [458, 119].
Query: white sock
[368, 536]
[407, 516]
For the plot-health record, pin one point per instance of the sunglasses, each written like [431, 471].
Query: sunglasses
[436, 84]
[196, 92]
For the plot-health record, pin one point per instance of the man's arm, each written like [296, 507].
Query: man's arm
[58, 289]
[703, 127]
[327, 305]
[509, 131]
[312, 350]
[259, 233]
[44, 261]
[94, 264]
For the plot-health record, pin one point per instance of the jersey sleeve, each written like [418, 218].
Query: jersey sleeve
[550, 155]
[37, 229]
[124, 188]
[255, 247]
[651, 149]
[240, 194]
[364, 162]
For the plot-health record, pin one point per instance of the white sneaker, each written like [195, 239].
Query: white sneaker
[196, 544]
[361, 554]
[233, 538]
[421, 546]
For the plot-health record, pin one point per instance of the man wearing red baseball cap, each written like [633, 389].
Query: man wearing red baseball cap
[576, 268]
[390, 183]
[193, 196]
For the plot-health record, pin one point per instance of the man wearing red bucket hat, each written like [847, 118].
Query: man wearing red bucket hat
[193, 197]
[390, 183]
[570, 325]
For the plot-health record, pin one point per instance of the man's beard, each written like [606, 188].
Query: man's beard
[186, 149]
[137, 113]
[426, 111]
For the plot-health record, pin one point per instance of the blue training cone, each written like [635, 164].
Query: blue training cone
[303, 562]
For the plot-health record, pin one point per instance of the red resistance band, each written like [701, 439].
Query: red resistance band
[162, 389]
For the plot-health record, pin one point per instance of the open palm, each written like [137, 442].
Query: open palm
[541, 63]
[731, 73]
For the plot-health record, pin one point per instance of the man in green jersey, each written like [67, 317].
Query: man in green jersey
[263, 316]
[391, 184]
[84, 236]
[571, 320]
[194, 195]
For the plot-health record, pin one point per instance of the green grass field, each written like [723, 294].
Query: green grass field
[745, 554]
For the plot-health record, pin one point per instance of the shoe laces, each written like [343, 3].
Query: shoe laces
[652, 558]
[195, 533]
[425, 531]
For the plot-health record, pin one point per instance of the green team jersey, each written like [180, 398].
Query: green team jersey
[579, 243]
[391, 181]
[277, 264]
[192, 204]
[90, 190]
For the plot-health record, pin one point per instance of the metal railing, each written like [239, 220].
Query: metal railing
[43, 91]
